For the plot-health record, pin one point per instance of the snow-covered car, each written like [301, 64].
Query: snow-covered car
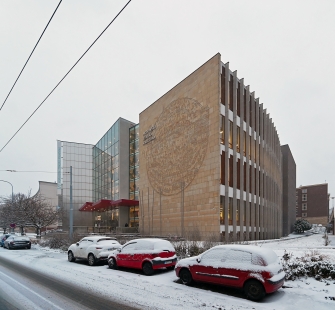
[17, 242]
[147, 254]
[258, 271]
[92, 249]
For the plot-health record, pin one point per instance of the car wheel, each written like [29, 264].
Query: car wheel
[170, 268]
[70, 257]
[91, 259]
[185, 276]
[147, 269]
[29, 247]
[112, 263]
[254, 290]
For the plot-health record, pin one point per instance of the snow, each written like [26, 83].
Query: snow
[163, 290]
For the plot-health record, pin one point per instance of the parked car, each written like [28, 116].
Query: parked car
[3, 238]
[147, 254]
[17, 242]
[255, 270]
[93, 249]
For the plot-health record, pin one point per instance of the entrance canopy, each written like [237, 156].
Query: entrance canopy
[104, 204]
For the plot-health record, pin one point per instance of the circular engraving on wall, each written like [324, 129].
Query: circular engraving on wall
[176, 145]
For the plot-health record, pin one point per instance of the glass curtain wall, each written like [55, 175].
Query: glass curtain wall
[106, 165]
[134, 174]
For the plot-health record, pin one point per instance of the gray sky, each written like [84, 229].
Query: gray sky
[283, 49]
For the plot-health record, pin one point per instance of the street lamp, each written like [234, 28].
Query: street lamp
[12, 194]
[12, 188]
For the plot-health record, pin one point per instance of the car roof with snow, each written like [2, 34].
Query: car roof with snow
[98, 238]
[266, 253]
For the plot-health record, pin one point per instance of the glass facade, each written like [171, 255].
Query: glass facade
[134, 173]
[106, 168]
[79, 157]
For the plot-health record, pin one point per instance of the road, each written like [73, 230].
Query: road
[25, 288]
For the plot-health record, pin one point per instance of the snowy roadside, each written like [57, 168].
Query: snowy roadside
[163, 290]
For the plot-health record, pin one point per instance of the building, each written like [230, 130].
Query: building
[289, 184]
[210, 160]
[205, 160]
[48, 192]
[104, 175]
[312, 203]
[77, 156]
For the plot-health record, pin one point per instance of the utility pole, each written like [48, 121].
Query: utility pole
[71, 206]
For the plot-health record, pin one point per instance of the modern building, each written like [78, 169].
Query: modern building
[204, 159]
[312, 203]
[210, 160]
[104, 176]
[78, 158]
[289, 184]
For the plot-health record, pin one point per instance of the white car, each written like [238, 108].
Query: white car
[93, 248]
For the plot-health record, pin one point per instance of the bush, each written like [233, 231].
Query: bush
[311, 265]
[301, 225]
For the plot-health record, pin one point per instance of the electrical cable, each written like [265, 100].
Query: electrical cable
[31, 53]
[11, 170]
[65, 76]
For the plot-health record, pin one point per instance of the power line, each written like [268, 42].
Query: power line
[31, 53]
[11, 170]
[65, 75]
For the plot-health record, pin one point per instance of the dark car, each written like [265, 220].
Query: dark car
[17, 242]
[3, 238]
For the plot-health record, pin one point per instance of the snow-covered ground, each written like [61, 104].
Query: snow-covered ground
[164, 291]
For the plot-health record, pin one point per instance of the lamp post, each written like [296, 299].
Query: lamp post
[12, 196]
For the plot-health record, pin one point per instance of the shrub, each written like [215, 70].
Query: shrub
[310, 265]
[301, 225]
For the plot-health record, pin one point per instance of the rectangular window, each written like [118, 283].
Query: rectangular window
[304, 191]
[304, 206]
[222, 129]
[230, 134]
[304, 197]
[238, 99]
[238, 212]
[238, 139]
[304, 215]
[244, 142]
[223, 85]
[222, 210]
[230, 211]
[231, 92]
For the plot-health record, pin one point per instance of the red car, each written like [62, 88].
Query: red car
[258, 271]
[147, 254]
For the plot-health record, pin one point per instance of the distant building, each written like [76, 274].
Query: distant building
[312, 203]
[48, 192]
[289, 189]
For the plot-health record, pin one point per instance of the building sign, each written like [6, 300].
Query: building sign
[149, 135]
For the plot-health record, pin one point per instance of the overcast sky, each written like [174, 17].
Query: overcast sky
[283, 49]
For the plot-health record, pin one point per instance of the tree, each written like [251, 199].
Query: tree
[26, 210]
[301, 225]
[41, 214]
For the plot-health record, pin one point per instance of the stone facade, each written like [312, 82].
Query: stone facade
[179, 157]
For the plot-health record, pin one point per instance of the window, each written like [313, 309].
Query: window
[304, 190]
[304, 215]
[304, 197]
[230, 134]
[222, 129]
[304, 206]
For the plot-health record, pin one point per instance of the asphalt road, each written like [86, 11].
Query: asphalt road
[23, 288]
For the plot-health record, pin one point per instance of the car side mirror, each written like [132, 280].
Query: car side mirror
[198, 259]
[119, 250]
[77, 243]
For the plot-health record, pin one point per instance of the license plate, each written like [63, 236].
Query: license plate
[168, 262]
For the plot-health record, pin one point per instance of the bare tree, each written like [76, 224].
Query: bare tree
[24, 210]
[40, 213]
